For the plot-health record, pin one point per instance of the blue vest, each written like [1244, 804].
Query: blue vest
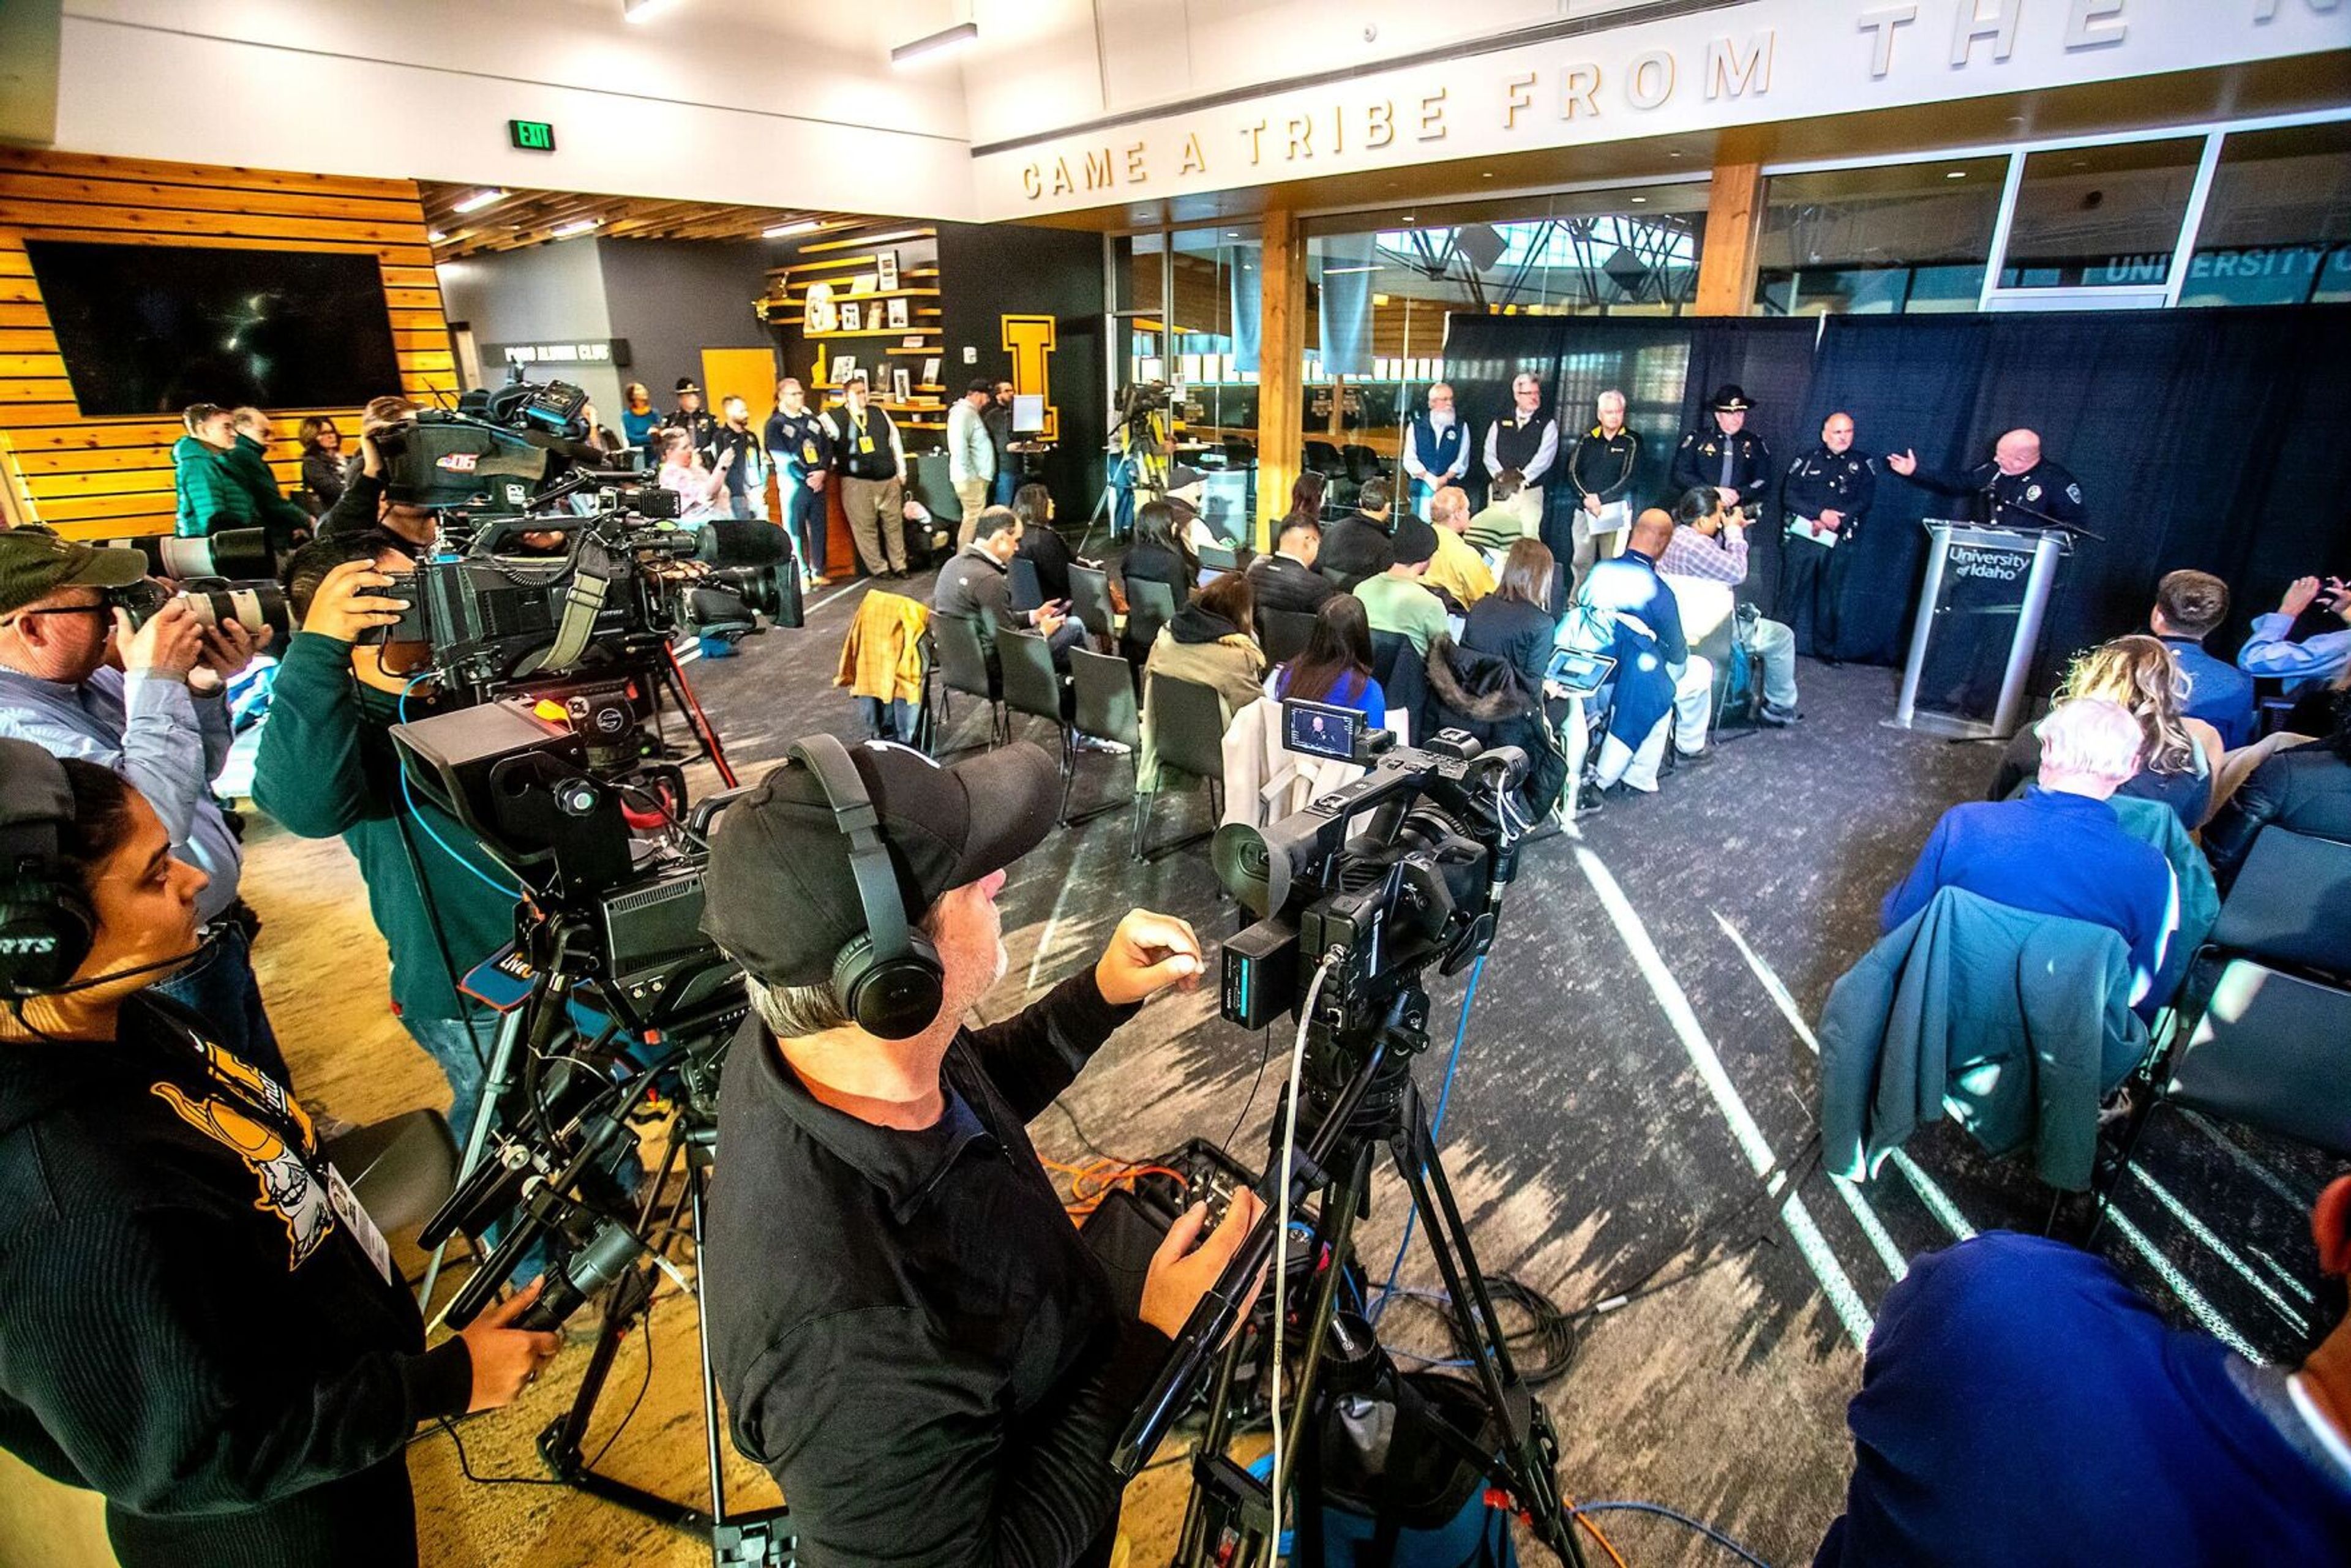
[1437, 454]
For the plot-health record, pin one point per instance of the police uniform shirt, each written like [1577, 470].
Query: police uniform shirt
[703, 426]
[2043, 496]
[1825, 481]
[801, 443]
[1741, 462]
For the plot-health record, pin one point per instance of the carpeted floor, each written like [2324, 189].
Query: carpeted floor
[1633, 1115]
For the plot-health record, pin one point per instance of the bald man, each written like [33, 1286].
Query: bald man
[1658, 675]
[1824, 497]
[2019, 488]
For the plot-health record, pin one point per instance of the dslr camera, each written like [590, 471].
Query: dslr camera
[223, 577]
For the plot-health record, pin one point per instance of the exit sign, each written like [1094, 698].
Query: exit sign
[532, 135]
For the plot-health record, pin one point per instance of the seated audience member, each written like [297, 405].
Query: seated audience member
[1456, 568]
[161, 720]
[701, 492]
[974, 585]
[1395, 600]
[1306, 495]
[2188, 606]
[1512, 512]
[2182, 754]
[1041, 545]
[1627, 593]
[1287, 580]
[322, 463]
[1514, 622]
[2306, 790]
[910, 1335]
[1710, 543]
[197, 1328]
[1336, 667]
[284, 521]
[2057, 848]
[327, 769]
[1362, 544]
[1158, 553]
[2022, 1403]
[2310, 663]
[1209, 643]
[210, 494]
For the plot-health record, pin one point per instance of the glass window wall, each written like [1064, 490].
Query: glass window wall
[2276, 228]
[2100, 217]
[1881, 241]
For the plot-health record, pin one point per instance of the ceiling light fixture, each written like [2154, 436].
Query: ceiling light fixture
[436, 237]
[643, 10]
[1956, 174]
[1640, 201]
[955, 38]
[478, 201]
[802, 226]
[579, 227]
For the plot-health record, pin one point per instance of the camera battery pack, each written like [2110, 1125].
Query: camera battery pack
[1260, 974]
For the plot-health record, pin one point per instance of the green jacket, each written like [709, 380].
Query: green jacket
[2200, 896]
[211, 494]
[327, 766]
[250, 465]
[2018, 1024]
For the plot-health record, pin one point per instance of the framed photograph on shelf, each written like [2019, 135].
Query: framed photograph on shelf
[931, 371]
[843, 367]
[852, 317]
[901, 383]
[817, 315]
[886, 271]
[897, 311]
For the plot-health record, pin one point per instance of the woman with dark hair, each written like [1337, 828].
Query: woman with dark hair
[203, 1324]
[322, 462]
[1335, 666]
[1041, 544]
[1306, 494]
[1160, 553]
[639, 420]
[1515, 621]
[1209, 644]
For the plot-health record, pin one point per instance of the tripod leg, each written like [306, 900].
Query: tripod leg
[696, 1179]
[500, 1079]
[1336, 1226]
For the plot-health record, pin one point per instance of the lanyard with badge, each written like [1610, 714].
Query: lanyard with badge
[864, 440]
[264, 1100]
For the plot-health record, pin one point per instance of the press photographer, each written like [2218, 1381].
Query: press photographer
[910, 1333]
[203, 1324]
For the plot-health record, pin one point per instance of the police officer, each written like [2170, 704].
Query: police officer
[1825, 495]
[696, 420]
[2019, 488]
[1724, 454]
[801, 442]
[1600, 465]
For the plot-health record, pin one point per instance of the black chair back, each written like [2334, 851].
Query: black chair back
[1326, 460]
[1282, 633]
[1032, 685]
[1150, 604]
[1020, 577]
[1104, 690]
[1220, 557]
[2272, 1051]
[1090, 600]
[963, 661]
[2291, 904]
[1186, 721]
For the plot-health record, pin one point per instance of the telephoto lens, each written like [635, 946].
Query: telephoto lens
[258, 605]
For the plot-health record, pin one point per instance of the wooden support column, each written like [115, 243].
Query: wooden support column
[1734, 224]
[1281, 354]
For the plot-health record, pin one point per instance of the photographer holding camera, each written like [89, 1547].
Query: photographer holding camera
[151, 704]
[327, 769]
[203, 1324]
[910, 1333]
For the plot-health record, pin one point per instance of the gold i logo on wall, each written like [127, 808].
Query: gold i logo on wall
[1030, 340]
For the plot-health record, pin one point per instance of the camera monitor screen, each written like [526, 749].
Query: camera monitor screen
[1028, 414]
[150, 328]
[1319, 730]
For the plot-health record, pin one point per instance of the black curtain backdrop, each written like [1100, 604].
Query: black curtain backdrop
[2202, 438]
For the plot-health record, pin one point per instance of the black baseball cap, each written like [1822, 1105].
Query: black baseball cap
[36, 563]
[1414, 541]
[779, 895]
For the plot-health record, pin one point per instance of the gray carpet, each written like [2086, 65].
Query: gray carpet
[1635, 1104]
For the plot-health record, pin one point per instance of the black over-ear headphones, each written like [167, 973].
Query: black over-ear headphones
[46, 925]
[888, 981]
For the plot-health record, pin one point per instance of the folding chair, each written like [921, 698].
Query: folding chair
[1020, 580]
[963, 667]
[1282, 633]
[1185, 723]
[1090, 603]
[1031, 686]
[1102, 685]
[1149, 606]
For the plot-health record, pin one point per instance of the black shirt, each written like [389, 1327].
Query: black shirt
[702, 425]
[800, 444]
[910, 1333]
[1515, 629]
[1824, 481]
[742, 444]
[1602, 465]
[1355, 547]
[2043, 496]
[1707, 455]
[191, 1328]
[1050, 554]
[1278, 582]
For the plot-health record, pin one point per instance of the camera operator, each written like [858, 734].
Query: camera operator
[362, 504]
[160, 719]
[327, 767]
[203, 1325]
[910, 1333]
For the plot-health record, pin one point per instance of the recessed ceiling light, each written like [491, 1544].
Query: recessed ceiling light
[1956, 174]
[478, 201]
[1640, 201]
[804, 226]
[1487, 175]
[579, 227]
[955, 37]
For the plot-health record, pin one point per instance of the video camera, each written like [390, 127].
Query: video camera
[1370, 884]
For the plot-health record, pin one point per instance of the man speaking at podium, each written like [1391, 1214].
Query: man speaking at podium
[2019, 488]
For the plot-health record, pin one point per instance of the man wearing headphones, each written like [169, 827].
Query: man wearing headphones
[911, 1335]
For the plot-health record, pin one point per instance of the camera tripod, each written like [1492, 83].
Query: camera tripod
[1378, 1106]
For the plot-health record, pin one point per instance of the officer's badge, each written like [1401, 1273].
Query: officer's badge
[2073, 492]
[2032, 492]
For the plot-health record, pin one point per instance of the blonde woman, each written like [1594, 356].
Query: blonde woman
[2181, 756]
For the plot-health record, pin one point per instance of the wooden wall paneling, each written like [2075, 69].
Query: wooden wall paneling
[1734, 221]
[109, 477]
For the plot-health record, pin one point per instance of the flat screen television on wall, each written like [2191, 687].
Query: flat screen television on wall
[152, 328]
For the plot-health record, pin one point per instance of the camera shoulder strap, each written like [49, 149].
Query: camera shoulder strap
[591, 582]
